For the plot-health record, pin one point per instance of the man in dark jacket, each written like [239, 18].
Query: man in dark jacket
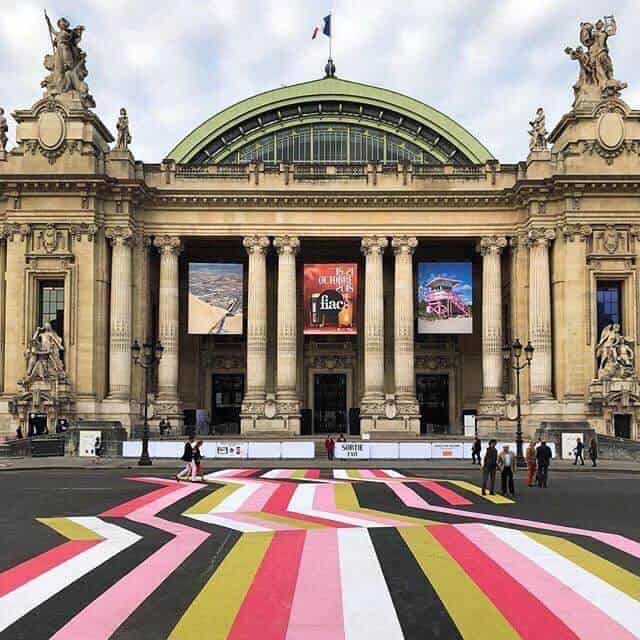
[543, 458]
[489, 468]
[187, 457]
[578, 452]
[475, 451]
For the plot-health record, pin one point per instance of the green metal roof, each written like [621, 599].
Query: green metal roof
[333, 89]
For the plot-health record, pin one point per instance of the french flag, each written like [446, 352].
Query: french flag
[326, 28]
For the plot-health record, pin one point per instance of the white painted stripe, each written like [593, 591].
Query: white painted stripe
[341, 473]
[234, 501]
[221, 474]
[614, 603]
[369, 613]
[302, 502]
[229, 523]
[394, 474]
[17, 603]
[274, 473]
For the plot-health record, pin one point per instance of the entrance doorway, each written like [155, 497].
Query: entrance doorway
[330, 403]
[433, 397]
[622, 425]
[227, 390]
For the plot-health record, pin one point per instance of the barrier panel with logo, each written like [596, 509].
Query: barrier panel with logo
[446, 450]
[352, 450]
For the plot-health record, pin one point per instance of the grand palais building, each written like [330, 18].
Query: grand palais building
[323, 257]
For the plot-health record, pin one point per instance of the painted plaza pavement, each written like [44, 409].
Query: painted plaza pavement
[309, 554]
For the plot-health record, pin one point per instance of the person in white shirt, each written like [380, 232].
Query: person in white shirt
[507, 466]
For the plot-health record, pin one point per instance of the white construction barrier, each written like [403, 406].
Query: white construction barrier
[384, 450]
[414, 450]
[303, 449]
[352, 450]
[446, 450]
[265, 449]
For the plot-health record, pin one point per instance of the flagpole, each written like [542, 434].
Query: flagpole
[330, 31]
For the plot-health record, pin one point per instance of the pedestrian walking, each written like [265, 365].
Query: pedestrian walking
[187, 458]
[476, 450]
[97, 450]
[530, 457]
[489, 468]
[593, 451]
[577, 452]
[543, 459]
[330, 445]
[196, 454]
[506, 464]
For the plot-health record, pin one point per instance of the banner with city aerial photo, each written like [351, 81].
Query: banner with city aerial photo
[215, 298]
[330, 298]
[445, 297]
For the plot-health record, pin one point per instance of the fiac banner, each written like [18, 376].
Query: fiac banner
[330, 298]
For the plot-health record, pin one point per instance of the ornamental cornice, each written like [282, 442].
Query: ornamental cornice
[578, 232]
[287, 244]
[11, 230]
[404, 245]
[373, 245]
[84, 229]
[491, 245]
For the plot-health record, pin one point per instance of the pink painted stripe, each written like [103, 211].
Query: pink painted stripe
[585, 620]
[25, 571]
[614, 540]
[124, 509]
[367, 473]
[243, 473]
[257, 500]
[105, 614]
[526, 614]
[249, 519]
[266, 608]
[378, 473]
[286, 473]
[316, 613]
[312, 473]
[446, 494]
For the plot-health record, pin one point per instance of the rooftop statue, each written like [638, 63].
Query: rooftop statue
[66, 64]
[538, 132]
[614, 353]
[4, 128]
[124, 134]
[595, 80]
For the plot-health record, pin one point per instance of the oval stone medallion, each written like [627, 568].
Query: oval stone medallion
[51, 129]
[610, 130]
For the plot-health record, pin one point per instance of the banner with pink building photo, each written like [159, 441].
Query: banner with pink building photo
[445, 297]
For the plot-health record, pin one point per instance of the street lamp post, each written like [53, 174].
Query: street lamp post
[512, 354]
[147, 357]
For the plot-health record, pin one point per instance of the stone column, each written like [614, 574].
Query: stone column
[254, 396]
[403, 248]
[286, 382]
[492, 339]
[3, 269]
[538, 241]
[168, 324]
[121, 239]
[372, 247]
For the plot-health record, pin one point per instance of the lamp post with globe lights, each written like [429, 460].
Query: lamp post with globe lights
[148, 356]
[512, 354]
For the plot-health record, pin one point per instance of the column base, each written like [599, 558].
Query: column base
[390, 415]
[170, 409]
[270, 416]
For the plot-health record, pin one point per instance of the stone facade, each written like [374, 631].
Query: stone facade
[117, 235]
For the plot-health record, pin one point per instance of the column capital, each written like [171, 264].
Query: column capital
[287, 244]
[120, 235]
[256, 244]
[404, 244]
[168, 244]
[10, 229]
[541, 236]
[372, 245]
[578, 232]
[489, 245]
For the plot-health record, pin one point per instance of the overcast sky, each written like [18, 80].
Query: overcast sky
[486, 64]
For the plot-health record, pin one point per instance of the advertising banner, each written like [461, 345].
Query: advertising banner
[445, 297]
[231, 450]
[447, 450]
[330, 298]
[215, 298]
[352, 450]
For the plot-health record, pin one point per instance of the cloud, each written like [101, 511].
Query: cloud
[488, 65]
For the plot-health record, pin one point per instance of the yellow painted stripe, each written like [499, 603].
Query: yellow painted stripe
[273, 517]
[70, 529]
[347, 500]
[214, 609]
[470, 609]
[353, 473]
[478, 491]
[616, 576]
[299, 473]
[213, 499]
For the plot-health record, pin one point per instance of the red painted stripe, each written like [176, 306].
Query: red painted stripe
[124, 509]
[447, 495]
[267, 606]
[312, 473]
[24, 572]
[242, 473]
[526, 614]
[379, 474]
[279, 502]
